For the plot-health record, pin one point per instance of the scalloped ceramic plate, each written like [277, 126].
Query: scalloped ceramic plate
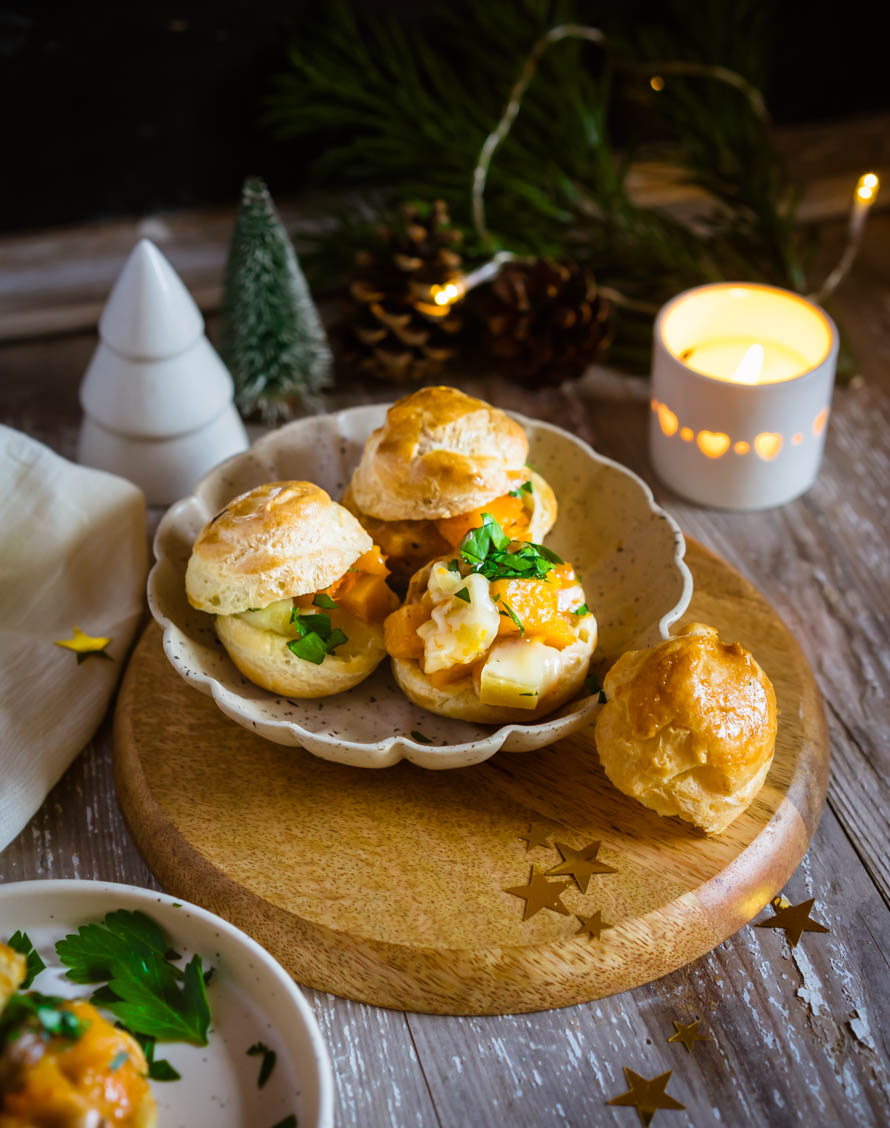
[252, 999]
[627, 550]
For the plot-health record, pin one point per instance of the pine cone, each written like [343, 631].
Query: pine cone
[545, 321]
[394, 329]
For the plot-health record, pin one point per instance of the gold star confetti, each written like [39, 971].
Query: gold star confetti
[688, 1035]
[794, 919]
[593, 925]
[580, 864]
[540, 894]
[646, 1096]
[84, 646]
[536, 836]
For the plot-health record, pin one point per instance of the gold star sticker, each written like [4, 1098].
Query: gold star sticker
[536, 836]
[84, 646]
[580, 864]
[688, 1035]
[646, 1096]
[540, 894]
[593, 925]
[794, 919]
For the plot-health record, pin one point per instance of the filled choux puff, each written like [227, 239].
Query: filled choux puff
[297, 587]
[689, 727]
[495, 632]
[440, 459]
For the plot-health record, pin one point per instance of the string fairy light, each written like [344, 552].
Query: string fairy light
[445, 295]
[864, 196]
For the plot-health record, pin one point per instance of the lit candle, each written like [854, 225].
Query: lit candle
[741, 385]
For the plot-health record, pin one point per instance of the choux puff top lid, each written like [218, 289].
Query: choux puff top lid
[439, 453]
[279, 540]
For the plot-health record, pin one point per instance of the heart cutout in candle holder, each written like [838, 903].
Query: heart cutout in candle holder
[768, 444]
[667, 419]
[713, 443]
[820, 421]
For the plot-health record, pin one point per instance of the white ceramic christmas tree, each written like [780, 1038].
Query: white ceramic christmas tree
[157, 399]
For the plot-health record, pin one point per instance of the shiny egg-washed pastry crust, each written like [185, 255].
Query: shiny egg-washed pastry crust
[689, 727]
[439, 453]
[278, 540]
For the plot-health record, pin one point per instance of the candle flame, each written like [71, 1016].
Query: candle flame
[750, 366]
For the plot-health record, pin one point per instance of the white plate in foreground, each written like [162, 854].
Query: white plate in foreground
[252, 999]
[628, 552]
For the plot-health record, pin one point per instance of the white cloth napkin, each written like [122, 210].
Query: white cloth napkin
[72, 553]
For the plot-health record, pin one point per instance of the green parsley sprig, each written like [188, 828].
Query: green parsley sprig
[487, 550]
[143, 990]
[525, 488]
[317, 638]
[267, 1064]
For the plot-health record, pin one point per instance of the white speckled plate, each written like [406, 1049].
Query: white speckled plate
[252, 999]
[627, 550]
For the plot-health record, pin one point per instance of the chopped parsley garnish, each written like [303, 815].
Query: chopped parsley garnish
[143, 990]
[317, 640]
[117, 1061]
[20, 942]
[420, 738]
[582, 610]
[508, 610]
[526, 487]
[44, 1011]
[268, 1062]
[529, 693]
[160, 1070]
[592, 685]
[463, 594]
[486, 550]
[322, 600]
[453, 566]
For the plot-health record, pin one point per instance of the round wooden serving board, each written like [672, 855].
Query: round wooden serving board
[388, 886]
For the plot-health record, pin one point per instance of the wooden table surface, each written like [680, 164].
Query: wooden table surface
[795, 1036]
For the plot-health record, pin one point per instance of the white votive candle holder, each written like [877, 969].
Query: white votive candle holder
[742, 376]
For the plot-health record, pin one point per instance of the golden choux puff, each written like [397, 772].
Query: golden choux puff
[689, 727]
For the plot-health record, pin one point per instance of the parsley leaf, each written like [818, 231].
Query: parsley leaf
[149, 1003]
[526, 487]
[20, 942]
[160, 1070]
[322, 600]
[317, 640]
[582, 610]
[486, 550]
[268, 1062]
[123, 936]
[463, 594]
[453, 566]
[146, 992]
[508, 610]
[420, 738]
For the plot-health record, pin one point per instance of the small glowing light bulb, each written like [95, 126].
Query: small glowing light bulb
[445, 295]
[656, 82]
[867, 187]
